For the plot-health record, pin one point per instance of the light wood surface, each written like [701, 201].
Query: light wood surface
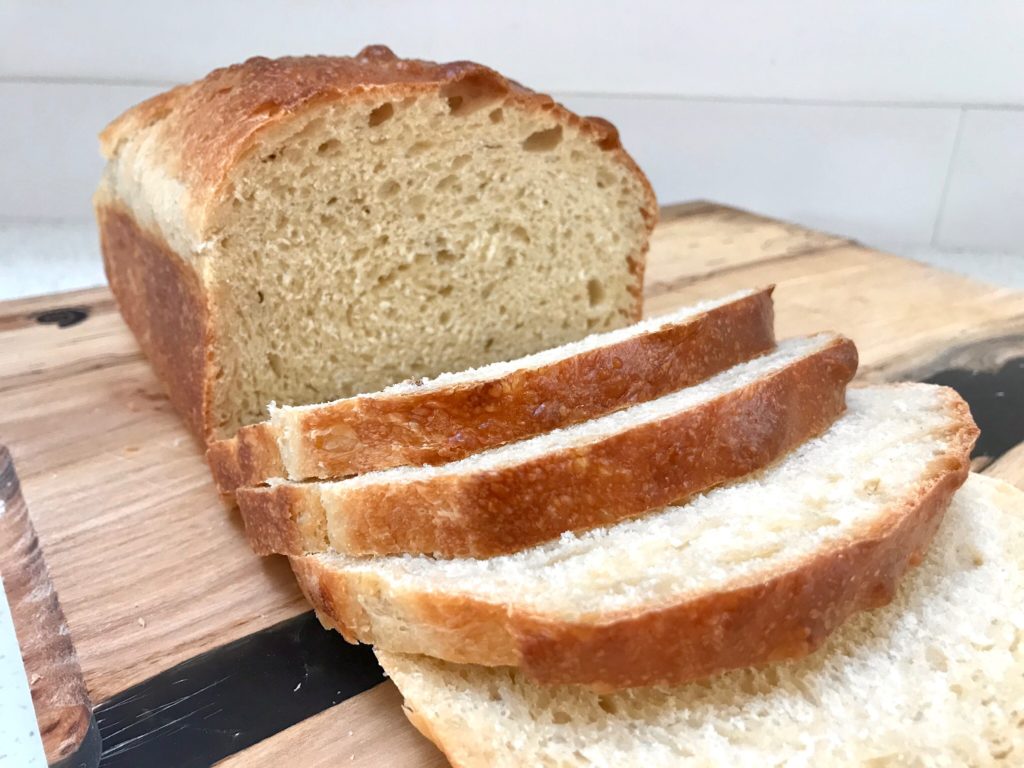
[349, 734]
[62, 707]
[152, 569]
[1009, 467]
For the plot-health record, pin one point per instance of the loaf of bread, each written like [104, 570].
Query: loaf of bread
[936, 678]
[752, 572]
[302, 229]
[594, 473]
[456, 414]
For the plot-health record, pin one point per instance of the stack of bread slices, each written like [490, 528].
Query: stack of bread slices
[678, 543]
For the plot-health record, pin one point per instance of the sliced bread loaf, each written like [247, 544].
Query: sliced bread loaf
[934, 679]
[586, 475]
[457, 414]
[757, 571]
[307, 228]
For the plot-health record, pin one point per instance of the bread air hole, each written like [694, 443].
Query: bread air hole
[560, 717]
[595, 291]
[329, 147]
[381, 114]
[418, 148]
[472, 93]
[274, 361]
[267, 108]
[543, 141]
[608, 704]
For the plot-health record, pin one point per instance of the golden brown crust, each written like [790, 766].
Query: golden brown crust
[209, 125]
[363, 434]
[786, 616]
[163, 302]
[251, 453]
[280, 517]
[482, 514]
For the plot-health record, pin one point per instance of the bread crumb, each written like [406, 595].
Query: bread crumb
[297, 687]
[141, 621]
[36, 677]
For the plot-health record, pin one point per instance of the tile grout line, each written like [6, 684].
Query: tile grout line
[798, 102]
[943, 198]
[67, 80]
[653, 96]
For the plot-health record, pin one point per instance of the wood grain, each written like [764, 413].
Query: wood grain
[152, 569]
[352, 733]
[1009, 467]
[61, 703]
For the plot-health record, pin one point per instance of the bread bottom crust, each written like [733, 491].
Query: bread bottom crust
[163, 302]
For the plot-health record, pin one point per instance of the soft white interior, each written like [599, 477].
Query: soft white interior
[373, 242]
[280, 415]
[936, 678]
[594, 430]
[825, 491]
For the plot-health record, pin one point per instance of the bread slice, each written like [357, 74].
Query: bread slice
[308, 228]
[457, 414]
[936, 678]
[757, 571]
[586, 475]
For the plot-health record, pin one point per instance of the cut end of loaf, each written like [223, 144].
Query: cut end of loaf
[402, 238]
[360, 221]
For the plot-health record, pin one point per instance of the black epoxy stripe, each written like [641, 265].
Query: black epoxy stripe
[997, 403]
[224, 700]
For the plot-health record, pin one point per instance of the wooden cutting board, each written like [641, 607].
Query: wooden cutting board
[61, 706]
[197, 651]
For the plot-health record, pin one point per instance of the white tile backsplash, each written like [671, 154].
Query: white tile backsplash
[51, 157]
[985, 197]
[874, 173]
[872, 50]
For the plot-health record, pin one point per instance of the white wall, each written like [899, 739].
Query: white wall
[898, 122]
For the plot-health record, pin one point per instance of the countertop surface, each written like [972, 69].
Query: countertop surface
[44, 258]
